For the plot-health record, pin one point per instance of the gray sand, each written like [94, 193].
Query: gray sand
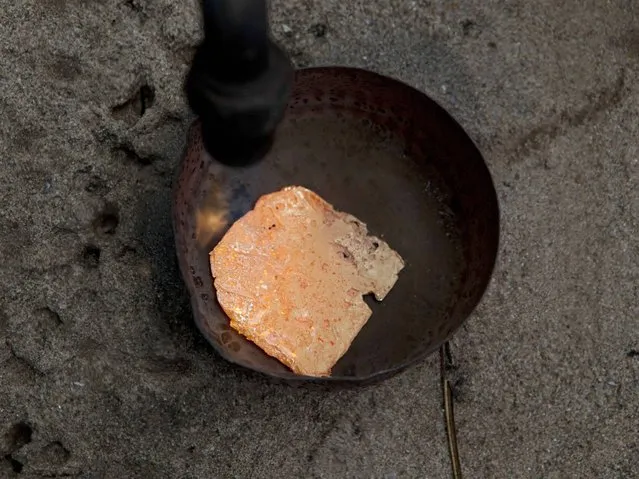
[101, 372]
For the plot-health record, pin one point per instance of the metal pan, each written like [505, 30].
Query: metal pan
[383, 151]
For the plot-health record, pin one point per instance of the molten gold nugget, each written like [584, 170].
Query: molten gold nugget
[291, 275]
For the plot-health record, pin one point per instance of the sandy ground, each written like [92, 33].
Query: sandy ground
[102, 374]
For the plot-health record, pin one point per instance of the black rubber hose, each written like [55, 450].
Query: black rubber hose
[236, 36]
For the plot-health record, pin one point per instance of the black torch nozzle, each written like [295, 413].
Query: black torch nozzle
[239, 82]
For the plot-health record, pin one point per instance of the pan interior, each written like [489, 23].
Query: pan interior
[368, 155]
[363, 170]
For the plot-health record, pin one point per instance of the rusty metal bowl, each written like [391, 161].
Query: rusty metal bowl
[383, 151]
